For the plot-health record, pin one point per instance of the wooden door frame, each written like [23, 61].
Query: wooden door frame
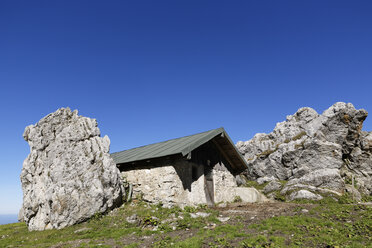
[209, 185]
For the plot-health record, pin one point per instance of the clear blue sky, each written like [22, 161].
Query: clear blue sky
[154, 70]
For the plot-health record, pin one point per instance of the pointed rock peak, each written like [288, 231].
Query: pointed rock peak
[69, 175]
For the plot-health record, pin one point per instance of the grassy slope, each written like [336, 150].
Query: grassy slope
[325, 225]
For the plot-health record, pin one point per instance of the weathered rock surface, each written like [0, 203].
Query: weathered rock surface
[69, 175]
[313, 151]
[272, 186]
[304, 194]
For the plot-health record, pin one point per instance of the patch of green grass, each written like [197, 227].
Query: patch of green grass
[328, 199]
[263, 241]
[134, 245]
[255, 185]
[190, 209]
[164, 242]
[346, 198]
[328, 224]
[279, 197]
[187, 222]
[324, 226]
[194, 242]
[366, 198]
[98, 228]
[221, 236]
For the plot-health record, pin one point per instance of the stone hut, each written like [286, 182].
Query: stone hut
[196, 169]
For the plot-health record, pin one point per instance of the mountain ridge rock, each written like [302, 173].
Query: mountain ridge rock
[318, 150]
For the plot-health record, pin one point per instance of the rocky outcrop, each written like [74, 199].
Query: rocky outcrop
[304, 194]
[314, 151]
[69, 175]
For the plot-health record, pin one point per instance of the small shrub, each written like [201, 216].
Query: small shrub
[237, 199]
[150, 221]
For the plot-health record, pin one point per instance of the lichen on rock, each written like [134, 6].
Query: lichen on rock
[69, 175]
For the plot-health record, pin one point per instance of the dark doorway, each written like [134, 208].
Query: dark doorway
[208, 185]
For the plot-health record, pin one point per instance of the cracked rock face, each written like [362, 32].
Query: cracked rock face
[69, 175]
[311, 150]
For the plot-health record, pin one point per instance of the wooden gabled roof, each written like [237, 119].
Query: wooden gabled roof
[184, 146]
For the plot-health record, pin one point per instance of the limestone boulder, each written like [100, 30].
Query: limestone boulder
[316, 150]
[69, 175]
[272, 186]
[304, 195]
[262, 180]
[322, 178]
[248, 195]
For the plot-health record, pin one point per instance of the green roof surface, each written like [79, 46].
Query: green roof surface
[182, 146]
